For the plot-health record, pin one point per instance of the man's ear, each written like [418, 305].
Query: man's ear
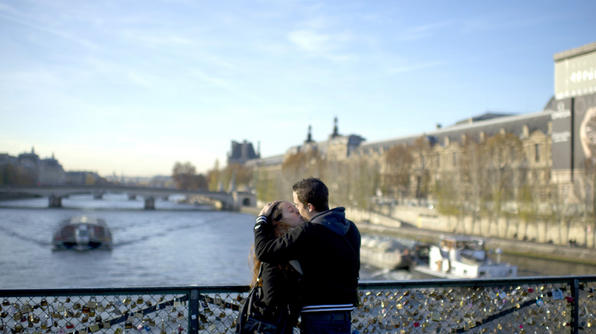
[310, 207]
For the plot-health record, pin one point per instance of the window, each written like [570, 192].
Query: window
[537, 152]
[454, 159]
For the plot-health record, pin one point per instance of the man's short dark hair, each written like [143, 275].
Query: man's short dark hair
[312, 191]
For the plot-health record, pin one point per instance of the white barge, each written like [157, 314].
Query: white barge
[463, 257]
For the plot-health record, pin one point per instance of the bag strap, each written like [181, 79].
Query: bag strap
[260, 272]
[253, 290]
[245, 310]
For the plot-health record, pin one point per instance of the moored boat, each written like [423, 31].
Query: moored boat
[464, 257]
[385, 252]
[82, 233]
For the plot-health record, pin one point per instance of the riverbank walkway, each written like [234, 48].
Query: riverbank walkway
[530, 249]
[522, 305]
[580, 255]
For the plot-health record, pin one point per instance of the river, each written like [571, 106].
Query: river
[177, 244]
[174, 245]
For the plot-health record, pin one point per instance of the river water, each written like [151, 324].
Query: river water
[174, 245]
[177, 244]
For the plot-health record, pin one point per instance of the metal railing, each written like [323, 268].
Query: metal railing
[521, 305]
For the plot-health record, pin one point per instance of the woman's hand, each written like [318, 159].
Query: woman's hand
[266, 210]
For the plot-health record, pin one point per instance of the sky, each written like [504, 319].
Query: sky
[131, 87]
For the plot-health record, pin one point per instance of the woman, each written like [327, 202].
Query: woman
[280, 282]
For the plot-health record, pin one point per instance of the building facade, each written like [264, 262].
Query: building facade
[553, 147]
[29, 169]
[241, 152]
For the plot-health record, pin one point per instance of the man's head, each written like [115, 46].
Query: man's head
[310, 197]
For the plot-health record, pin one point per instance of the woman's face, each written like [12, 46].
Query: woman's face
[290, 214]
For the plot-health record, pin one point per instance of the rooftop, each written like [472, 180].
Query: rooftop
[575, 52]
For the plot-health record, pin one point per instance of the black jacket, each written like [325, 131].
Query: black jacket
[328, 249]
[281, 283]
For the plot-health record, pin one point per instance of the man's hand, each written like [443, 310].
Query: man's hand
[266, 210]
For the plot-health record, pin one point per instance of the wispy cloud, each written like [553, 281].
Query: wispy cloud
[324, 45]
[15, 16]
[483, 24]
[414, 67]
[157, 40]
[210, 79]
[32, 78]
[310, 41]
[423, 31]
[6, 8]
[141, 79]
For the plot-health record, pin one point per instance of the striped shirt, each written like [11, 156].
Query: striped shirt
[327, 308]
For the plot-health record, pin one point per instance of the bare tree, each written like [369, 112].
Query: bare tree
[504, 153]
[16, 176]
[213, 177]
[365, 181]
[268, 185]
[448, 194]
[473, 180]
[186, 177]
[396, 171]
[421, 152]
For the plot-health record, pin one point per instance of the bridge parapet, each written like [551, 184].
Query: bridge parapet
[55, 201]
[229, 201]
[149, 203]
[531, 304]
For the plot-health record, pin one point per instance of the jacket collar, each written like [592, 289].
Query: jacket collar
[334, 219]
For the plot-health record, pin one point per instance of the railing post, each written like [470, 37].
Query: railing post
[193, 311]
[575, 306]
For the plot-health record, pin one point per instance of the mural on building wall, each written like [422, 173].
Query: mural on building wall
[587, 134]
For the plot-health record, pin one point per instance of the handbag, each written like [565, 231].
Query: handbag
[251, 318]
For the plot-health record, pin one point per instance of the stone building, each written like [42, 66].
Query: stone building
[336, 147]
[84, 178]
[556, 145]
[47, 171]
[242, 152]
[30, 162]
[51, 172]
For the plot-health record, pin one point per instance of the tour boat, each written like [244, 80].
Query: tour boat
[82, 233]
[464, 257]
[385, 252]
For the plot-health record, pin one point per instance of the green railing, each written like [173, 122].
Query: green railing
[521, 305]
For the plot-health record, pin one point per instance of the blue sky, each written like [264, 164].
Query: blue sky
[131, 87]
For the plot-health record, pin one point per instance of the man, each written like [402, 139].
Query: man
[328, 249]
